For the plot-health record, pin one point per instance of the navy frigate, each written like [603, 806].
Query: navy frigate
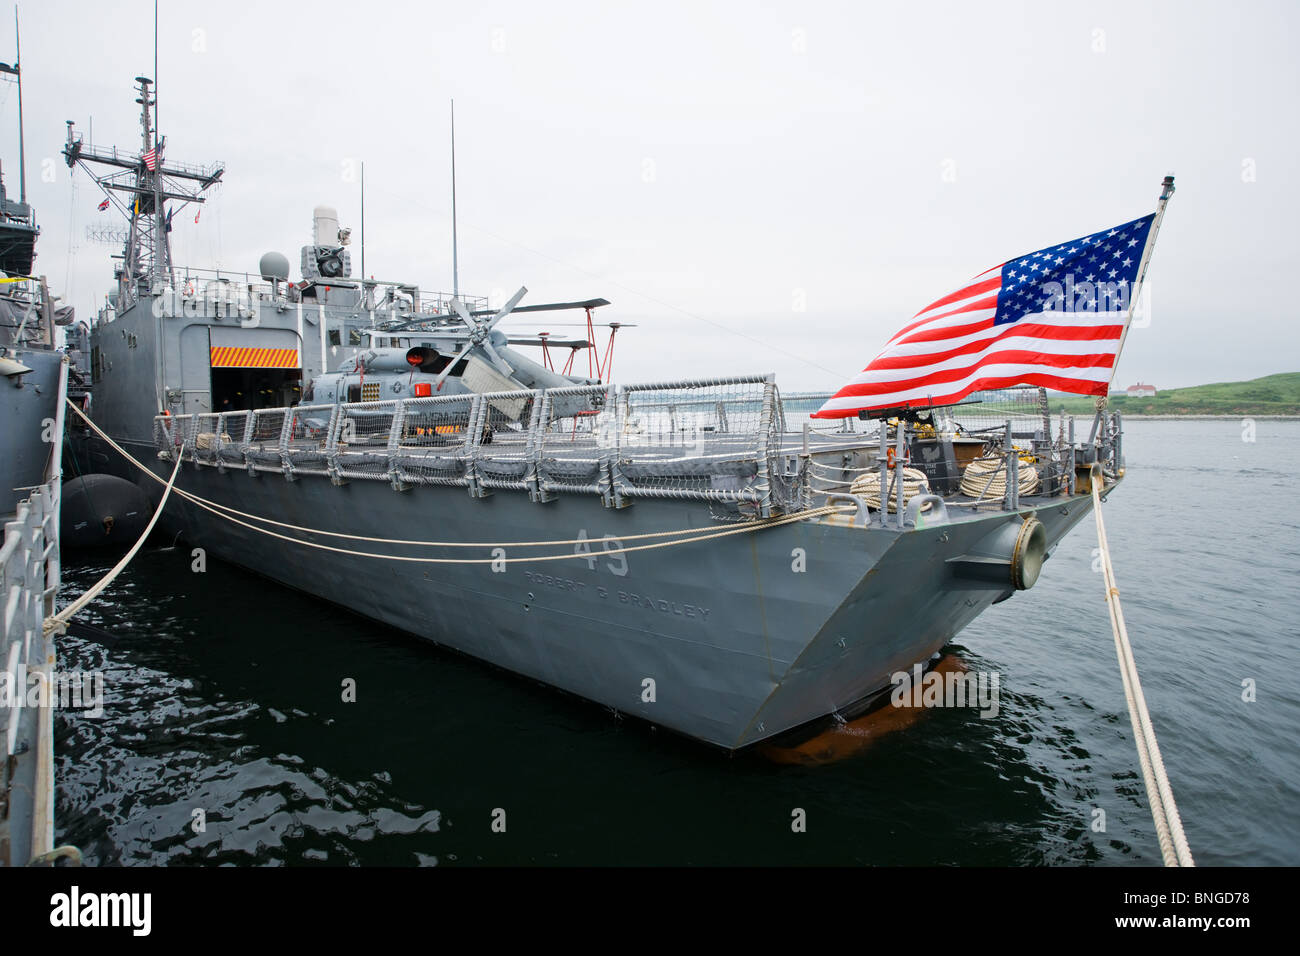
[34, 377]
[700, 554]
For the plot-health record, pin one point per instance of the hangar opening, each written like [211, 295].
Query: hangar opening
[248, 377]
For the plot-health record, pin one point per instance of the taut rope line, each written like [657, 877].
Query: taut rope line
[691, 533]
[60, 619]
[1164, 811]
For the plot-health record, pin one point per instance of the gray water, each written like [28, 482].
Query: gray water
[223, 695]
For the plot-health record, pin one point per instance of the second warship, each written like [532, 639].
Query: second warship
[34, 378]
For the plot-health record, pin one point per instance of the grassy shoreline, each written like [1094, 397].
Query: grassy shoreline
[1272, 395]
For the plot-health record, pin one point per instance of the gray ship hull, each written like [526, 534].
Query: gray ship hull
[739, 645]
[29, 404]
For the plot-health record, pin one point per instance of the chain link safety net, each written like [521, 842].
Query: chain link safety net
[503, 438]
[1025, 408]
[301, 442]
[358, 442]
[435, 445]
[577, 438]
[261, 444]
[695, 440]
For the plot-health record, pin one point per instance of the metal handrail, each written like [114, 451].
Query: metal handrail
[528, 444]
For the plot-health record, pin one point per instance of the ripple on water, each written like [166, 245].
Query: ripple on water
[222, 695]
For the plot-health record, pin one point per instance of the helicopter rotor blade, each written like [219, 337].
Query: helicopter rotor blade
[463, 312]
[505, 310]
[501, 365]
[442, 376]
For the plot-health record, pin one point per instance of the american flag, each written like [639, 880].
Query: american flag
[151, 158]
[1053, 318]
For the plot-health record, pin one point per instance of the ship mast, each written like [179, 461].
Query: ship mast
[22, 142]
[144, 216]
[142, 194]
[17, 73]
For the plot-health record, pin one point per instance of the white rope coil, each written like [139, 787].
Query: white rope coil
[986, 479]
[867, 487]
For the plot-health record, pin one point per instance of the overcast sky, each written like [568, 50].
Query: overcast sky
[758, 186]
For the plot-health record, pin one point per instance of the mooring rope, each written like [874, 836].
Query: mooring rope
[60, 619]
[867, 486]
[986, 479]
[685, 536]
[1164, 811]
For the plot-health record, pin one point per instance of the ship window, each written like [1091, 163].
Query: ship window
[354, 393]
[354, 336]
[335, 338]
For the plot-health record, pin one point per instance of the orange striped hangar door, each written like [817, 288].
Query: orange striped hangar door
[252, 356]
[249, 348]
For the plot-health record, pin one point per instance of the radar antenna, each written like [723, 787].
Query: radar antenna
[141, 187]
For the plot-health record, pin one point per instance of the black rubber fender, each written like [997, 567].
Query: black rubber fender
[102, 511]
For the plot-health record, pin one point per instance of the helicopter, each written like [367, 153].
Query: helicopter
[424, 359]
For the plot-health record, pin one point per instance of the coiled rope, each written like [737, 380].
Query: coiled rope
[986, 479]
[59, 620]
[683, 536]
[867, 487]
[1164, 811]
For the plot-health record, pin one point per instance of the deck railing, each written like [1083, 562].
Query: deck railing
[722, 440]
[706, 439]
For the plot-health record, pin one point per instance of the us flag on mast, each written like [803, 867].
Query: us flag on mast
[1054, 318]
[152, 157]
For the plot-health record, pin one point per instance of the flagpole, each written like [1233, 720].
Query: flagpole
[363, 230]
[160, 225]
[155, 65]
[455, 264]
[1166, 190]
[22, 149]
